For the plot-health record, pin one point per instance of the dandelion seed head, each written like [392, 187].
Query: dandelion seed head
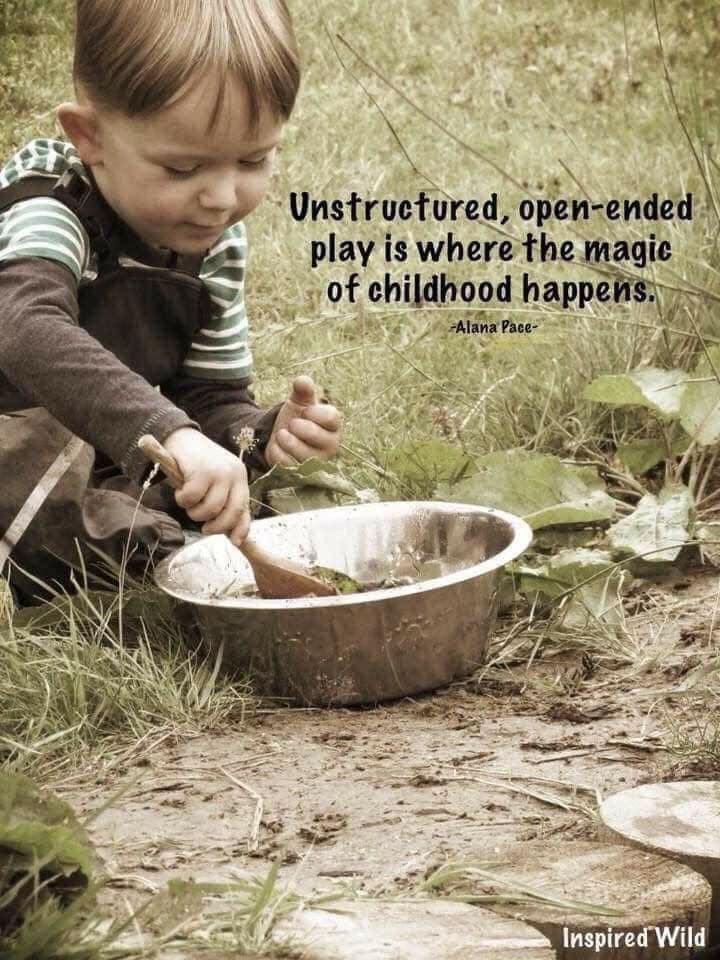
[245, 440]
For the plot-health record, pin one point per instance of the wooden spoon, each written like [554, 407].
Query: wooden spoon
[276, 578]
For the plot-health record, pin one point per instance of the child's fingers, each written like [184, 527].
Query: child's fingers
[315, 436]
[275, 454]
[325, 415]
[212, 503]
[292, 447]
[241, 529]
[233, 516]
[312, 441]
[192, 492]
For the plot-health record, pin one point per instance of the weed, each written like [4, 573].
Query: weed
[694, 739]
[72, 683]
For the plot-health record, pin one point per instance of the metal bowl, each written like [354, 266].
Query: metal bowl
[362, 647]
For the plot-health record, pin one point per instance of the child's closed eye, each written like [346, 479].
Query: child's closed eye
[179, 174]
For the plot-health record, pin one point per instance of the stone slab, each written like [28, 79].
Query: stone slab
[423, 930]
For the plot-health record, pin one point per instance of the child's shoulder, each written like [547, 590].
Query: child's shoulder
[43, 226]
[41, 157]
[228, 253]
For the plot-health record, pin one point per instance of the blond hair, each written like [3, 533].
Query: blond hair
[137, 56]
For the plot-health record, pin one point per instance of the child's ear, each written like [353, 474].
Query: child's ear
[80, 125]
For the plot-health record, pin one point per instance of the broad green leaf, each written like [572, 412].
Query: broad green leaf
[709, 536]
[700, 408]
[434, 461]
[659, 526]
[296, 499]
[540, 488]
[180, 900]
[642, 455]
[43, 848]
[552, 539]
[316, 473]
[36, 825]
[594, 600]
[658, 390]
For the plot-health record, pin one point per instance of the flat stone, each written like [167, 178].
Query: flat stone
[426, 930]
[665, 905]
[680, 820]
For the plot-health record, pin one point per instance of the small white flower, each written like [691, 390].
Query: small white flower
[245, 440]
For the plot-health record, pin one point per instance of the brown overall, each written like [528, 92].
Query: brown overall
[143, 306]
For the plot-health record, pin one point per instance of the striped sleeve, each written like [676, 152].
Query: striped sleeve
[221, 351]
[43, 227]
[40, 157]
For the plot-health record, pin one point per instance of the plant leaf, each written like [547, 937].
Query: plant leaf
[147, 604]
[700, 407]
[36, 824]
[315, 473]
[540, 488]
[658, 390]
[659, 524]
[296, 499]
[428, 461]
[596, 600]
[42, 848]
[642, 455]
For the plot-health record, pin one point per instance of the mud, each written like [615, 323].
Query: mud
[375, 798]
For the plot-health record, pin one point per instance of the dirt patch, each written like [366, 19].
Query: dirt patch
[375, 795]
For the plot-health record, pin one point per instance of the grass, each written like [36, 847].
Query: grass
[87, 682]
[483, 883]
[695, 742]
[462, 100]
[183, 919]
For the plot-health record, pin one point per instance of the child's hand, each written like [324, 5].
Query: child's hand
[216, 484]
[304, 428]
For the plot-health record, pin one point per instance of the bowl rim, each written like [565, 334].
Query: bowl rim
[521, 539]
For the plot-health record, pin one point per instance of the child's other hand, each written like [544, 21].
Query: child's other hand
[304, 428]
[216, 484]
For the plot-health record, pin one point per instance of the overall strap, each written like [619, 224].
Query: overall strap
[77, 195]
[107, 233]
[25, 188]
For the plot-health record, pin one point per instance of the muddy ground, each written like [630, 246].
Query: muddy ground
[374, 797]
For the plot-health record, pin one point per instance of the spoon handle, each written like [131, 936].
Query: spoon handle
[156, 452]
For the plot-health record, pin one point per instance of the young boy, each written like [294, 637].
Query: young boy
[122, 263]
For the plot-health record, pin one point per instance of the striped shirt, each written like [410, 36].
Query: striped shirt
[44, 227]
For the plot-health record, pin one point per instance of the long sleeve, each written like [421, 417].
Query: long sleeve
[47, 359]
[223, 408]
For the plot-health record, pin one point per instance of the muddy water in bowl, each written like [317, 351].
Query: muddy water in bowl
[359, 647]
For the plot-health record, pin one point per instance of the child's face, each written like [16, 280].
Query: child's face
[178, 185]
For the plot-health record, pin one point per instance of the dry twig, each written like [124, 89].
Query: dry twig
[257, 816]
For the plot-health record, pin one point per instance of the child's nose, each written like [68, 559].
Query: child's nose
[219, 193]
